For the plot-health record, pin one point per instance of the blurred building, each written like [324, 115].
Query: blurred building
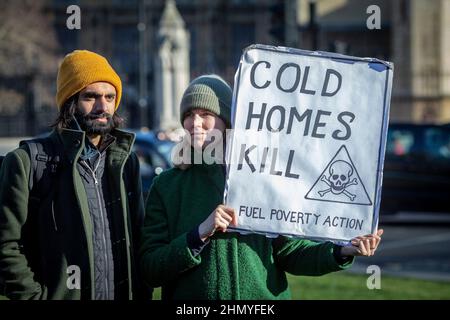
[420, 51]
[414, 34]
[144, 42]
[157, 52]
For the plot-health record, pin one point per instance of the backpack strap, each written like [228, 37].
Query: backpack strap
[32, 148]
[44, 162]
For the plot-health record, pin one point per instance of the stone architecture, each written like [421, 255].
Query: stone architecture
[414, 34]
[171, 72]
[145, 41]
[421, 46]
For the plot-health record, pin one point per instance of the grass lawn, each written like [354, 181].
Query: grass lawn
[348, 286]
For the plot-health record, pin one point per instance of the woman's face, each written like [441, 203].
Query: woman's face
[200, 124]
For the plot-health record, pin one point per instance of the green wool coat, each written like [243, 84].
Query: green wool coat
[231, 266]
[38, 245]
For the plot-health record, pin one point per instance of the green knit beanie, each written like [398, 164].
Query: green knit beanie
[209, 92]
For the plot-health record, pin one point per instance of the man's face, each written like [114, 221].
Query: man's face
[95, 108]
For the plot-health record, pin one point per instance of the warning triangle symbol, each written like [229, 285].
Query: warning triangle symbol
[340, 182]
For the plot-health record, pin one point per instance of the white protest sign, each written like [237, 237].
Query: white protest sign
[306, 155]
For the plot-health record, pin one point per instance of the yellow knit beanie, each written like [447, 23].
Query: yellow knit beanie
[79, 69]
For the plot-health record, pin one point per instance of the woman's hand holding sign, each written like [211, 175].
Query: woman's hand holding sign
[219, 219]
[363, 245]
[223, 216]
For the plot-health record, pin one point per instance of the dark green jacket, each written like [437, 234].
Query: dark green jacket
[231, 266]
[38, 246]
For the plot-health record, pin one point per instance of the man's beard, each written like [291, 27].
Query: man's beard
[89, 124]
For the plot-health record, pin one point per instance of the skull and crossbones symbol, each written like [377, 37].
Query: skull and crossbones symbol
[339, 179]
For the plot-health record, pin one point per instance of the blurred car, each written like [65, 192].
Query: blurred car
[154, 156]
[417, 169]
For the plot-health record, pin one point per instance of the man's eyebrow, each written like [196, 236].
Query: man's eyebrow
[91, 94]
[96, 94]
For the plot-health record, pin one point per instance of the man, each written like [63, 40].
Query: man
[78, 240]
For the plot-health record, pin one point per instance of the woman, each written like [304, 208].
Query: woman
[185, 248]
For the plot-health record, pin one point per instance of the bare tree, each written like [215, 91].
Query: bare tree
[27, 39]
[28, 50]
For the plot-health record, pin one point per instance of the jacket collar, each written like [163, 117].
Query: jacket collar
[73, 142]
